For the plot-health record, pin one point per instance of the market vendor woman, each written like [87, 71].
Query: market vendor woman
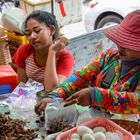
[111, 82]
[44, 59]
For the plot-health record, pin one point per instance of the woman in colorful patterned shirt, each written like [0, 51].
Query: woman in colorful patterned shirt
[44, 59]
[111, 82]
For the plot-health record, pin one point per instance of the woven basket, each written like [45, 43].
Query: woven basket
[5, 56]
[130, 126]
[2, 35]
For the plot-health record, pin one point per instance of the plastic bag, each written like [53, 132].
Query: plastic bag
[98, 113]
[23, 108]
[58, 117]
[137, 137]
[13, 18]
[83, 117]
[30, 88]
[23, 99]
[92, 113]
[129, 117]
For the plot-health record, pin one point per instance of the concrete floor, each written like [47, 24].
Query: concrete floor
[75, 29]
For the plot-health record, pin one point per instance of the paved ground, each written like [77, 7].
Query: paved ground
[75, 29]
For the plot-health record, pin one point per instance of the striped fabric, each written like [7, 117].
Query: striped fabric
[33, 71]
[25, 59]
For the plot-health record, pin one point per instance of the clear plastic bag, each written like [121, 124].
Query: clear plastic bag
[23, 100]
[98, 113]
[23, 108]
[58, 117]
[30, 88]
[83, 117]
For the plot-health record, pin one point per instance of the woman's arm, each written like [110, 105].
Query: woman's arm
[52, 78]
[107, 99]
[116, 101]
[21, 75]
[73, 84]
[19, 59]
[79, 80]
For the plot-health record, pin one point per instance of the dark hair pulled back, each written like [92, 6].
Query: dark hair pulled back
[44, 17]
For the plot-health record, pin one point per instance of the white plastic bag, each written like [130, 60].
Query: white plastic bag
[31, 87]
[13, 18]
[23, 108]
[23, 100]
[129, 117]
[83, 117]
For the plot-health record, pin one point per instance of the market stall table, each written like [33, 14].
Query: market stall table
[38, 125]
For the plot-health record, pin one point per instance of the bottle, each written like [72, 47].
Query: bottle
[50, 108]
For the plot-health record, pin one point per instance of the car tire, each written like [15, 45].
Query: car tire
[108, 20]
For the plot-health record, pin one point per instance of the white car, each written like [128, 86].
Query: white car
[101, 13]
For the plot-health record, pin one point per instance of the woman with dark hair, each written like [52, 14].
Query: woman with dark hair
[44, 59]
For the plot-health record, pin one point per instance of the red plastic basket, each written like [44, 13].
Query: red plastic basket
[108, 124]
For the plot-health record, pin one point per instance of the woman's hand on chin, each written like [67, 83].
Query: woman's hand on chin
[59, 45]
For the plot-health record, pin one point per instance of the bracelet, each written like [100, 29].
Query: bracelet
[52, 95]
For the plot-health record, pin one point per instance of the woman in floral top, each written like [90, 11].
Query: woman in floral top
[111, 81]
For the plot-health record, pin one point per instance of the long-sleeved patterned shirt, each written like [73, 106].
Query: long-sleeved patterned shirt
[123, 95]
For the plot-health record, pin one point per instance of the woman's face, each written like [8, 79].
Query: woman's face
[128, 55]
[39, 35]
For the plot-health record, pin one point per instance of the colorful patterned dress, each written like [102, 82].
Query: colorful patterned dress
[123, 95]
